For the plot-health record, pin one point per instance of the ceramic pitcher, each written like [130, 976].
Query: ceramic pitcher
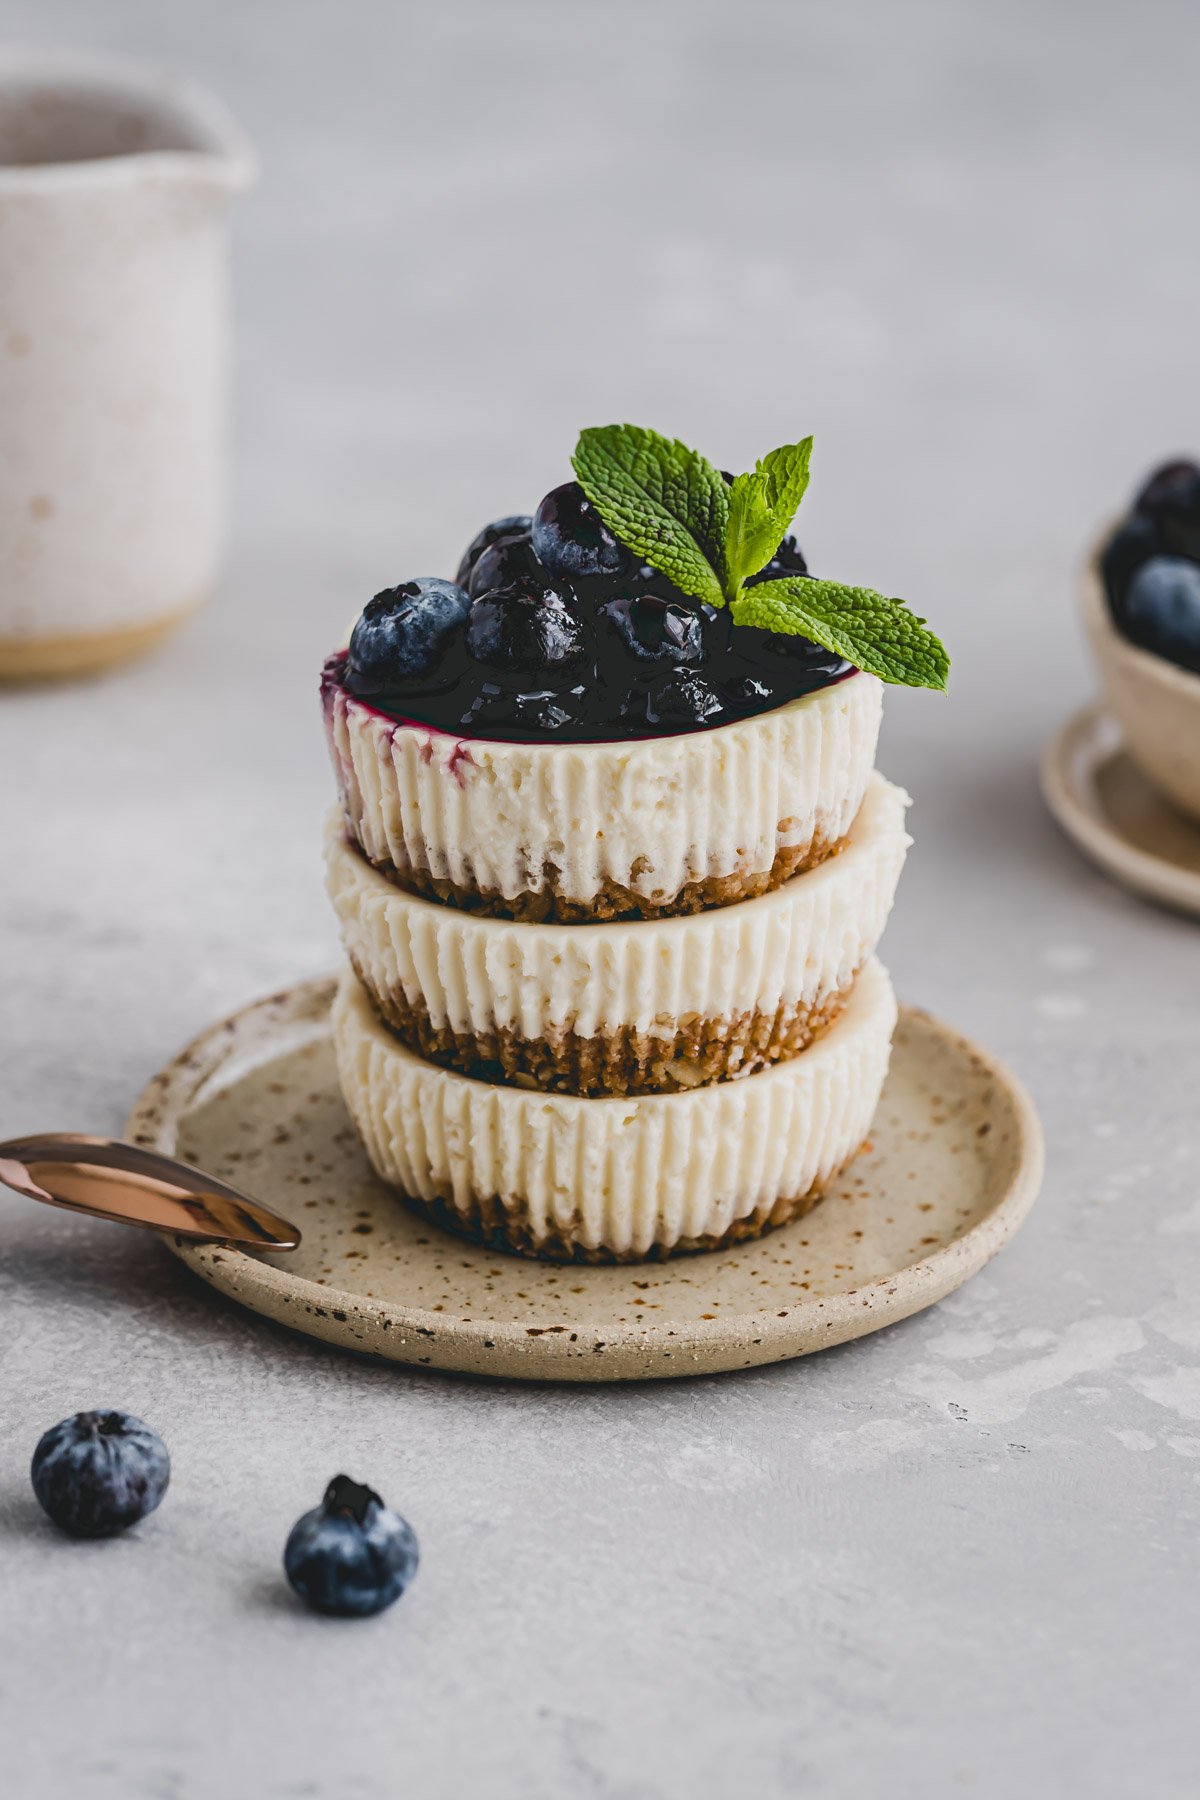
[115, 184]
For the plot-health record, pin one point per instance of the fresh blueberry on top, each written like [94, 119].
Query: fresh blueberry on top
[526, 629]
[1132, 544]
[1171, 498]
[655, 630]
[404, 633]
[499, 528]
[509, 559]
[99, 1472]
[572, 539]
[352, 1555]
[787, 560]
[1161, 611]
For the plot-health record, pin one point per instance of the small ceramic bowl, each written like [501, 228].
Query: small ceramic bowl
[1156, 703]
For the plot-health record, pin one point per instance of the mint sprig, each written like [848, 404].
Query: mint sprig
[871, 631]
[666, 502]
[675, 510]
[762, 505]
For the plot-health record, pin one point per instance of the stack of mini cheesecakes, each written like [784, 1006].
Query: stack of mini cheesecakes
[608, 1001]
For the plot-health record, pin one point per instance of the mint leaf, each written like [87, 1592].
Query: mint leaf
[676, 511]
[874, 633]
[666, 502]
[762, 506]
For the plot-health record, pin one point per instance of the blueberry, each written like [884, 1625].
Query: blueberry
[499, 528]
[681, 699]
[526, 629]
[787, 560]
[1131, 545]
[404, 633]
[352, 1555]
[99, 1472]
[509, 559]
[572, 539]
[1171, 498]
[655, 630]
[1162, 610]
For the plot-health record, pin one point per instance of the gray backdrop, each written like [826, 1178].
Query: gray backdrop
[958, 244]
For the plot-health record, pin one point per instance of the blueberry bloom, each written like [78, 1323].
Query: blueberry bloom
[405, 632]
[99, 1472]
[1162, 609]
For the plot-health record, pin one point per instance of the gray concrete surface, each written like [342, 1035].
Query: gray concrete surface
[956, 243]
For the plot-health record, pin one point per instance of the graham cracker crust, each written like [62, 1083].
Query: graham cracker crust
[613, 901]
[502, 1226]
[618, 1062]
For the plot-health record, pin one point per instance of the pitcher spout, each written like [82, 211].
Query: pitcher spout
[82, 118]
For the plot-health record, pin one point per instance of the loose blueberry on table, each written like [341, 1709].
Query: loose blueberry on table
[1151, 567]
[97, 1473]
[653, 595]
[352, 1555]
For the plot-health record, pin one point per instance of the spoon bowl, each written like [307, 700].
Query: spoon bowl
[109, 1179]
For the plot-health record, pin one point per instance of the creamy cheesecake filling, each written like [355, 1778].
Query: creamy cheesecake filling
[605, 830]
[623, 1007]
[615, 1179]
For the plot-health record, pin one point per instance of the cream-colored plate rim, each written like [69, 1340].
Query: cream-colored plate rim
[1090, 738]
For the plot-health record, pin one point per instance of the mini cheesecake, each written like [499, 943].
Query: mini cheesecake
[615, 1179]
[654, 1005]
[624, 828]
[611, 862]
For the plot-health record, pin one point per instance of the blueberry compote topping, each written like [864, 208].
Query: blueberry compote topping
[1151, 566]
[554, 630]
[655, 630]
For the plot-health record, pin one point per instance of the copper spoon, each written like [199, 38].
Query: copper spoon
[112, 1180]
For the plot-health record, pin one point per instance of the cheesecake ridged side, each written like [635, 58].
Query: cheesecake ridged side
[615, 1178]
[606, 830]
[652, 1005]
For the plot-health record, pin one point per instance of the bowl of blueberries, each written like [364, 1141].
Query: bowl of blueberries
[1142, 607]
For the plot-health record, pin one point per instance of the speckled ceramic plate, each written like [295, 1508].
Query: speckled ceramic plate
[953, 1165]
[1115, 816]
